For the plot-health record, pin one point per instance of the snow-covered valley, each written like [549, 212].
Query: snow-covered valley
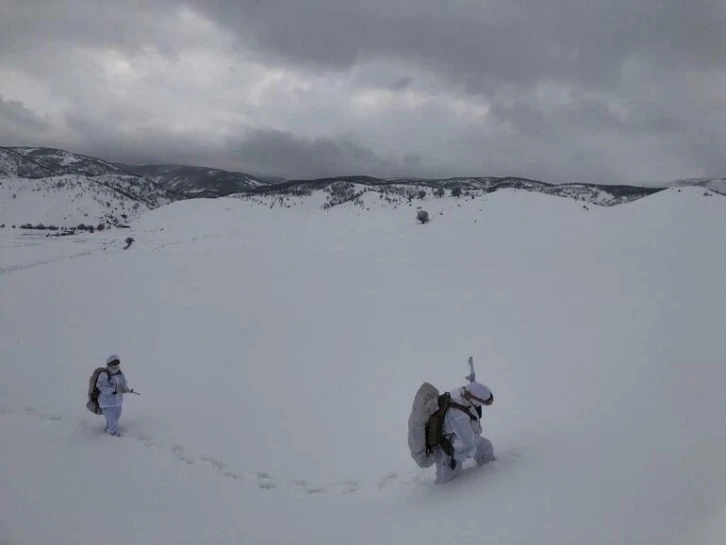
[277, 351]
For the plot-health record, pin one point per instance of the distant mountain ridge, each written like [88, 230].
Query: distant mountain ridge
[192, 181]
[44, 162]
[46, 185]
[39, 163]
[598, 194]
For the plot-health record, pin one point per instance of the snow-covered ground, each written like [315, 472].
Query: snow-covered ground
[63, 201]
[717, 185]
[278, 351]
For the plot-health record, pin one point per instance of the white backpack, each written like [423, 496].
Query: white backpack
[425, 404]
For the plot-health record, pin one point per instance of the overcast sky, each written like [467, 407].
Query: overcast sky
[609, 91]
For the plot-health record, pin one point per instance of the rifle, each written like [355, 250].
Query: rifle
[471, 377]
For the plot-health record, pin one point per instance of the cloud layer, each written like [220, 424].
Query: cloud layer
[608, 91]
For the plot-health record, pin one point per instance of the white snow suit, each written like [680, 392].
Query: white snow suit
[465, 438]
[111, 398]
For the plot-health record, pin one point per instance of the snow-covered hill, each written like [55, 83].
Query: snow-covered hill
[59, 203]
[714, 184]
[44, 186]
[278, 350]
[14, 164]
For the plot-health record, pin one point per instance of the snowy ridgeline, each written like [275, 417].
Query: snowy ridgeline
[45, 187]
[62, 203]
[278, 350]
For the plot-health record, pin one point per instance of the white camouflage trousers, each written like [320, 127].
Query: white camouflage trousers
[444, 473]
[112, 415]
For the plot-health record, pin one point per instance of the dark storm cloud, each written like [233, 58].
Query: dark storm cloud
[272, 152]
[14, 113]
[158, 145]
[401, 83]
[283, 153]
[39, 26]
[19, 124]
[608, 90]
[475, 42]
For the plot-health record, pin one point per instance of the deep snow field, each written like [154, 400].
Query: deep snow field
[277, 351]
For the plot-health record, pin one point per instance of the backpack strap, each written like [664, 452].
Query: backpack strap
[463, 409]
[445, 443]
[108, 378]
